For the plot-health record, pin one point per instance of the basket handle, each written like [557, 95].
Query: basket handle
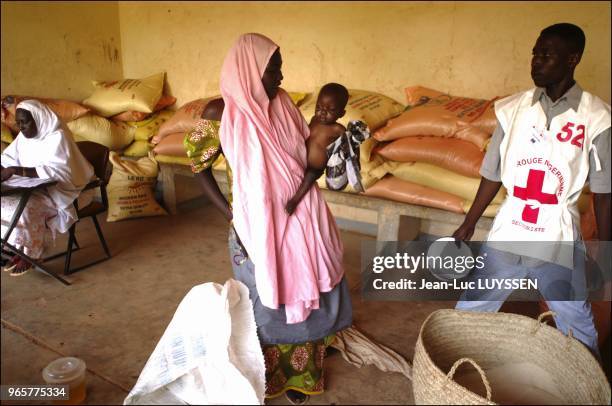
[570, 333]
[485, 381]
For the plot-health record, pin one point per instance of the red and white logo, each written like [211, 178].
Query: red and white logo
[533, 191]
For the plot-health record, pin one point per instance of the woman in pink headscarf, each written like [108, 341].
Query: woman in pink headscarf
[291, 264]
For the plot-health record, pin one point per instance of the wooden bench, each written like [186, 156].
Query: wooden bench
[394, 220]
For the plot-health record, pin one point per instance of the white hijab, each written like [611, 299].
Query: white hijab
[55, 156]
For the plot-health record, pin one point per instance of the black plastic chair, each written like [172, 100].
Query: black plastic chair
[97, 155]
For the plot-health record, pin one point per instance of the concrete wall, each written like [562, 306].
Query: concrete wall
[480, 49]
[467, 48]
[56, 49]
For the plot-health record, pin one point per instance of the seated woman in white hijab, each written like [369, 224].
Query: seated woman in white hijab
[43, 149]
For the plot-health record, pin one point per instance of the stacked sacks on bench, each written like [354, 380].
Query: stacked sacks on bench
[375, 110]
[82, 122]
[169, 139]
[455, 188]
[133, 106]
[438, 143]
[186, 117]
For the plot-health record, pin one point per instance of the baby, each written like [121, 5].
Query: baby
[324, 131]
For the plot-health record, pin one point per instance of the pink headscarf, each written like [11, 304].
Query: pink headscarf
[296, 257]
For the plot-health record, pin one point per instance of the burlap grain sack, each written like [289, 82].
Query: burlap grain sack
[146, 129]
[116, 97]
[173, 160]
[171, 145]
[438, 114]
[372, 108]
[66, 110]
[135, 116]
[113, 135]
[183, 120]
[453, 154]
[7, 135]
[138, 149]
[131, 189]
[437, 178]
[399, 190]
[516, 359]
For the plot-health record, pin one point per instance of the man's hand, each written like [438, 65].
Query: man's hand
[485, 194]
[8, 172]
[290, 207]
[464, 232]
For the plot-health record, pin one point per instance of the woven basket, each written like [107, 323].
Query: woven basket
[450, 338]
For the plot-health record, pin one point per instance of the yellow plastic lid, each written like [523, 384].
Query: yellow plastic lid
[64, 370]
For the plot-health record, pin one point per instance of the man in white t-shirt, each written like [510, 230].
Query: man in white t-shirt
[549, 141]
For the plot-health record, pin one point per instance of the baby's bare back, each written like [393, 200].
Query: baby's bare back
[321, 136]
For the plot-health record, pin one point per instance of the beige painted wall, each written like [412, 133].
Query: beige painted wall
[55, 49]
[467, 48]
[477, 49]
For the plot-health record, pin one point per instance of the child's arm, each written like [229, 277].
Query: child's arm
[317, 159]
[310, 177]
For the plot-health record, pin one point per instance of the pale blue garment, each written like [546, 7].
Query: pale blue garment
[574, 314]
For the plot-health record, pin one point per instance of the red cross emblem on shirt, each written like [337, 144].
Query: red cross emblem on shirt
[533, 191]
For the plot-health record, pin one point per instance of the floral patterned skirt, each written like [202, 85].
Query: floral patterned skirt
[295, 366]
[31, 229]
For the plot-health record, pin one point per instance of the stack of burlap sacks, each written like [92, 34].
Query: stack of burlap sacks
[168, 141]
[428, 153]
[373, 108]
[433, 151]
[129, 113]
[123, 116]
[135, 108]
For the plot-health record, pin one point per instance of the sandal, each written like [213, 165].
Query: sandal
[20, 272]
[11, 264]
[21, 268]
[296, 398]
